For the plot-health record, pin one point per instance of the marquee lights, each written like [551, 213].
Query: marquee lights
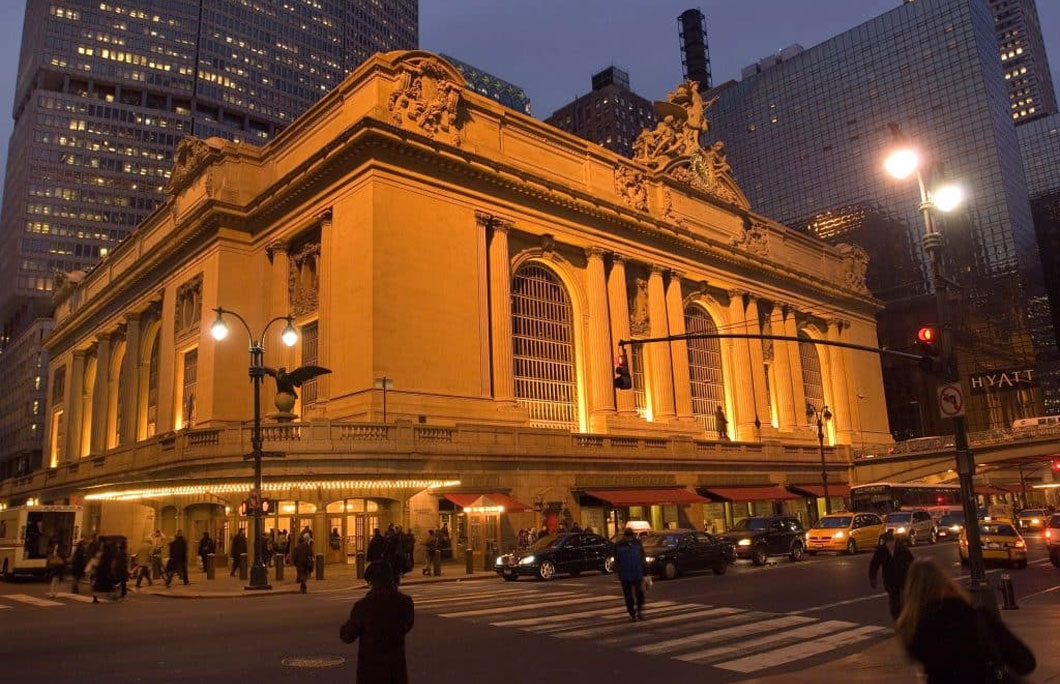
[234, 488]
[487, 510]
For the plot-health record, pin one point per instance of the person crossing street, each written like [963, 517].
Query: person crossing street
[629, 562]
[894, 558]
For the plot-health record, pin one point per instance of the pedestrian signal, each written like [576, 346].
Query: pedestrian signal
[268, 506]
[928, 334]
[1055, 465]
[927, 338]
[623, 380]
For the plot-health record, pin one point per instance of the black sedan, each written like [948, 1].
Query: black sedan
[669, 554]
[558, 553]
[759, 538]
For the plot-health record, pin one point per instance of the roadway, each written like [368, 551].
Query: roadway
[750, 622]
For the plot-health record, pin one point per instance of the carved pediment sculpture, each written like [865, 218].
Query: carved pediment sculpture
[855, 267]
[428, 97]
[629, 184]
[639, 322]
[754, 239]
[303, 278]
[190, 156]
[189, 306]
[674, 146]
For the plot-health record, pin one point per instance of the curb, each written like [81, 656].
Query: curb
[295, 590]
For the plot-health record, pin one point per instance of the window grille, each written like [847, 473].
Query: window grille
[812, 381]
[152, 389]
[705, 368]
[191, 372]
[543, 349]
[119, 399]
[636, 372]
[310, 356]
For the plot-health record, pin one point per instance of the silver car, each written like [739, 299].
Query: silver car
[915, 526]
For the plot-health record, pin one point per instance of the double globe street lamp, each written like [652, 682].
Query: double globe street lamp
[820, 417]
[905, 161]
[219, 330]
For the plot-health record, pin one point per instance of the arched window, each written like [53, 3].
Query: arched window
[152, 388]
[543, 349]
[705, 368]
[812, 382]
[115, 396]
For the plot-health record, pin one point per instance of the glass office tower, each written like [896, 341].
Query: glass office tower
[808, 136]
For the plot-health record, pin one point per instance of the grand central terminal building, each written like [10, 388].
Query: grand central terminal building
[466, 272]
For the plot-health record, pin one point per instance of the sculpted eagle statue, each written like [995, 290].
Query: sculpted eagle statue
[286, 382]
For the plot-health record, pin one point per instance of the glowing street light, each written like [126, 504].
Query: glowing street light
[948, 197]
[902, 163]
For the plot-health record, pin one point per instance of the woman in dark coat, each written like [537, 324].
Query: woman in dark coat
[956, 643]
[380, 621]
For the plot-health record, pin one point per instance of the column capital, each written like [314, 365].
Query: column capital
[277, 247]
[677, 274]
[80, 354]
[595, 252]
[617, 258]
[659, 268]
[483, 219]
[837, 323]
[324, 216]
[107, 337]
[131, 316]
[737, 292]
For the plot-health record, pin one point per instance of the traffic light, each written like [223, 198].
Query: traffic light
[623, 380]
[268, 506]
[1055, 465]
[927, 345]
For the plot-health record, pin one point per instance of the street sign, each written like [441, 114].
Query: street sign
[951, 400]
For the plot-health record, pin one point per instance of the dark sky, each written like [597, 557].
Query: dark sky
[552, 47]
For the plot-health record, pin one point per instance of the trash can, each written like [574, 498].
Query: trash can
[277, 562]
[360, 564]
[211, 566]
[320, 566]
[436, 562]
[469, 562]
[242, 566]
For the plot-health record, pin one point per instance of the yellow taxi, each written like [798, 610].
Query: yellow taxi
[850, 532]
[1001, 542]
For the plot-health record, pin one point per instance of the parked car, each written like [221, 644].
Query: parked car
[950, 526]
[1001, 542]
[850, 532]
[669, 554]
[1052, 538]
[1032, 519]
[758, 538]
[915, 526]
[570, 553]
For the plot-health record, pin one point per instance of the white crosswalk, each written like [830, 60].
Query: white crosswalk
[8, 601]
[725, 637]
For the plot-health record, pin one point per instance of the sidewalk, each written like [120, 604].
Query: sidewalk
[337, 578]
[887, 662]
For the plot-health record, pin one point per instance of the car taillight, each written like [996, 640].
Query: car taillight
[1020, 544]
[1048, 534]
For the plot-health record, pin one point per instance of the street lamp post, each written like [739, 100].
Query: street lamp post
[903, 163]
[258, 574]
[820, 417]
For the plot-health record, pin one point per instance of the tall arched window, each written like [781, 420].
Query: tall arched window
[152, 388]
[115, 396]
[543, 349]
[705, 367]
[812, 382]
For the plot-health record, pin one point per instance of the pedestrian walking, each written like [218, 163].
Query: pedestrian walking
[239, 547]
[956, 642]
[380, 621]
[894, 558]
[206, 547]
[376, 548]
[629, 562]
[56, 566]
[121, 565]
[178, 558]
[78, 564]
[144, 556]
[408, 550]
[302, 559]
[431, 545]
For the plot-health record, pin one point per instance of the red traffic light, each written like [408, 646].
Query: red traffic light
[1055, 465]
[927, 334]
[623, 380]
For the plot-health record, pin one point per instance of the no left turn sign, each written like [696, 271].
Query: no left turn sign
[951, 400]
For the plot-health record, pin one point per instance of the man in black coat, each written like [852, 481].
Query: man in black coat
[206, 547]
[894, 558]
[376, 547]
[239, 547]
[302, 560]
[380, 620]
[178, 558]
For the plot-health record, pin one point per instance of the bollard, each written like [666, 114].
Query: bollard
[242, 566]
[488, 556]
[277, 562]
[1008, 593]
[360, 564]
[436, 562]
[156, 568]
[469, 562]
[211, 566]
[320, 566]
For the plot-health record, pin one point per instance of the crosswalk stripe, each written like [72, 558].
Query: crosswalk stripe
[559, 630]
[599, 612]
[730, 632]
[527, 606]
[74, 597]
[3, 606]
[801, 651]
[695, 626]
[746, 647]
[607, 629]
[504, 596]
[32, 600]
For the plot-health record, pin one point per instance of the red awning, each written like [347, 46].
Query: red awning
[771, 493]
[991, 490]
[492, 499]
[646, 497]
[838, 489]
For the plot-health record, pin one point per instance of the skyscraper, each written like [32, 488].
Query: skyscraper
[810, 132]
[105, 90]
[1040, 145]
[1022, 49]
[610, 114]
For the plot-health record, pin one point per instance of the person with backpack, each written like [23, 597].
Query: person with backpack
[629, 563]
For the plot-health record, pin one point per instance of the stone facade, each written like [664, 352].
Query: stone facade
[487, 263]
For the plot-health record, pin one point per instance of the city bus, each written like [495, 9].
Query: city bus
[26, 533]
[887, 497]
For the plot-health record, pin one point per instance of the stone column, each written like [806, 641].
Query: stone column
[618, 301]
[741, 381]
[75, 385]
[100, 405]
[758, 361]
[500, 286]
[278, 305]
[841, 404]
[786, 415]
[327, 235]
[661, 377]
[601, 373]
[798, 389]
[130, 390]
[675, 312]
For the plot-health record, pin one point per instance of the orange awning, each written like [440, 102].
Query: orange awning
[837, 489]
[646, 497]
[490, 500]
[770, 493]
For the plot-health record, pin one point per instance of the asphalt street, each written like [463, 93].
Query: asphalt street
[747, 623]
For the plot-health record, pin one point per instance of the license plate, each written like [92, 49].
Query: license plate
[507, 571]
[993, 546]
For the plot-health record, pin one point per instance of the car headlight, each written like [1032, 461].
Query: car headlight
[839, 535]
[527, 560]
[499, 561]
[744, 542]
[955, 528]
[649, 559]
[900, 530]
[807, 535]
[1035, 521]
